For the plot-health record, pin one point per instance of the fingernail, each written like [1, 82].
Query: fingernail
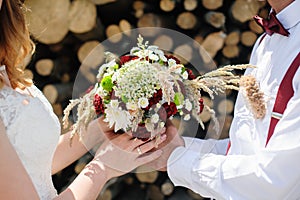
[163, 137]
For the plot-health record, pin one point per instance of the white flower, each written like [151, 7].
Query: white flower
[187, 117]
[143, 102]
[118, 117]
[185, 75]
[161, 124]
[154, 118]
[114, 103]
[131, 106]
[153, 57]
[188, 105]
[171, 62]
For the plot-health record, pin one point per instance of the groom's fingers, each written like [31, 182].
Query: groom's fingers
[149, 157]
[146, 147]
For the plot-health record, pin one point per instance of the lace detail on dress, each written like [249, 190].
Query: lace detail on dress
[33, 129]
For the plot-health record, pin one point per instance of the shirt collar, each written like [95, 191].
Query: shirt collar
[290, 16]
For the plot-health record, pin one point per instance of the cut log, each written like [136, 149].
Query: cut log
[167, 188]
[82, 16]
[149, 20]
[255, 27]
[91, 55]
[186, 20]
[125, 27]
[231, 51]
[212, 44]
[233, 38]
[114, 33]
[212, 4]
[138, 6]
[248, 38]
[225, 106]
[167, 5]
[56, 93]
[97, 33]
[48, 20]
[216, 19]
[184, 53]
[243, 11]
[44, 67]
[190, 5]
[164, 42]
[146, 175]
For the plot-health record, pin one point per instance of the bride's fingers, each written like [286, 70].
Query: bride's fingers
[140, 149]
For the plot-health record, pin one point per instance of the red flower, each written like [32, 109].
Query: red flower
[170, 109]
[201, 105]
[127, 58]
[141, 133]
[157, 96]
[191, 76]
[98, 104]
[173, 57]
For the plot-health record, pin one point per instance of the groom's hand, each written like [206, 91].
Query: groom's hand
[173, 141]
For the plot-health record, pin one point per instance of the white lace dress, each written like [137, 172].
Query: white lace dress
[33, 130]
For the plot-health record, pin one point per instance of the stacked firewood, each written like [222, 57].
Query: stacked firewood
[66, 31]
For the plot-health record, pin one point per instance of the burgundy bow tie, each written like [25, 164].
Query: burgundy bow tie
[271, 25]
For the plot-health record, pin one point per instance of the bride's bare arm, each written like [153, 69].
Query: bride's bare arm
[65, 154]
[15, 183]
[113, 158]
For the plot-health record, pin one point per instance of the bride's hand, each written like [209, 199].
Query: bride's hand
[122, 153]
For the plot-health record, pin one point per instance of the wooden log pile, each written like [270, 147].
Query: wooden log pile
[66, 31]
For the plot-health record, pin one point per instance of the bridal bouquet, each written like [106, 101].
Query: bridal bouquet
[140, 91]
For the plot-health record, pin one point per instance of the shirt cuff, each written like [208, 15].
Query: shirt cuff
[180, 164]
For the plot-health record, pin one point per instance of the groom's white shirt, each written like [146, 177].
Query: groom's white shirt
[251, 170]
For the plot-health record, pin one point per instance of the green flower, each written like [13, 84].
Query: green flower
[178, 98]
[107, 83]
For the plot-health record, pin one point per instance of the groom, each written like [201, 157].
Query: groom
[261, 159]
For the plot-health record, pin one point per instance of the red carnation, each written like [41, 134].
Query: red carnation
[173, 57]
[201, 105]
[98, 104]
[127, 58]
[157, 96]
[191, 75]
[141, 132]
[170, 109]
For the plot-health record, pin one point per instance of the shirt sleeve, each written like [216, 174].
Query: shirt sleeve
[271, 173]
[206, 146]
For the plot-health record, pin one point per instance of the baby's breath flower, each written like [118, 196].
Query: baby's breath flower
[187, 117]
[185, 75]
[188, 105]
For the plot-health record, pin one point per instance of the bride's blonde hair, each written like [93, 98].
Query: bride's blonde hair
[15, 42]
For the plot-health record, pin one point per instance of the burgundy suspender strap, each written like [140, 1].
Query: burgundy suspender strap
[284, 94]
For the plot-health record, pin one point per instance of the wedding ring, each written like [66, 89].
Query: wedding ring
[139, 150]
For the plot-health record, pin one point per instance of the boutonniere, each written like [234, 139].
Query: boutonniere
[253, 95]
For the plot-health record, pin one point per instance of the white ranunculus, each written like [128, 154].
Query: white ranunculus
[143, 102]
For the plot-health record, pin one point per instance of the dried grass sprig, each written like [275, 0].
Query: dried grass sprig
[253, 95]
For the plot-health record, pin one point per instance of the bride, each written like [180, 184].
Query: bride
[31, 147]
